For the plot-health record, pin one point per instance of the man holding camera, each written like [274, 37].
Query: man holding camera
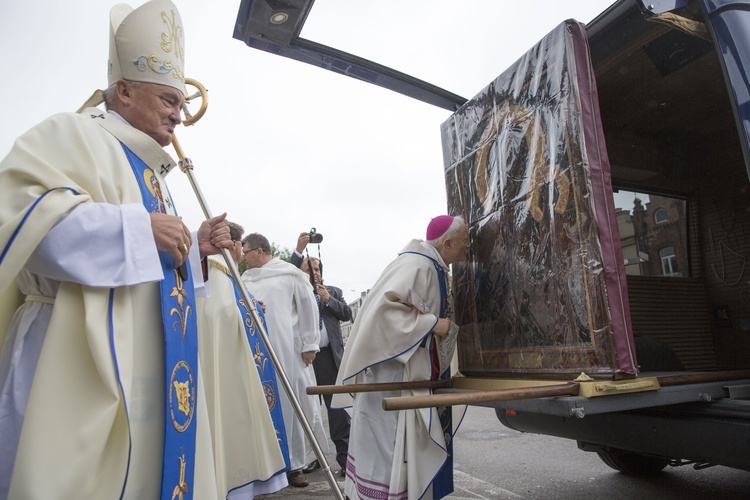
[304, 238]
[333, 309]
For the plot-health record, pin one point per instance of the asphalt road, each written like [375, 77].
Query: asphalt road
[494, 462]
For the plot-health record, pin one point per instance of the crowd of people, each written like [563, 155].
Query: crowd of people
[132, 364]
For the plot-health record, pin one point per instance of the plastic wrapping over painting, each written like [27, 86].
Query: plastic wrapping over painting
[543, 290]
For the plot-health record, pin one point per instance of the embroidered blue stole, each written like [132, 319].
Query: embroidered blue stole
[266, 370]
[181, 354]
[442, 484]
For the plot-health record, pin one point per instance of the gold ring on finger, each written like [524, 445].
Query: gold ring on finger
[183, 249]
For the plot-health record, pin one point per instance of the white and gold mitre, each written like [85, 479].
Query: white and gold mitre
[147, 44]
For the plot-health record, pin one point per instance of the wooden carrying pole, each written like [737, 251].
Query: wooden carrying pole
[384, 386]
[702, 377]
[186, 165]
[477, 397]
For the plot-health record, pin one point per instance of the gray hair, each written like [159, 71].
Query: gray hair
[257, 240]
[307, 261]
[450, 233]
[235, 231]
[110, 93]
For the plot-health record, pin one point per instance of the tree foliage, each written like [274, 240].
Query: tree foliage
[281, 252]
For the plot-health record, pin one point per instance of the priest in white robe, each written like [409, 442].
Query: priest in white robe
[401, 334]
[293, 328]
[88, 232]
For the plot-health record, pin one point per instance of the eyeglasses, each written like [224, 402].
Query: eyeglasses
[245, 252]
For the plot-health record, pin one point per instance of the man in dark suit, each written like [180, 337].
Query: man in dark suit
[333, 309]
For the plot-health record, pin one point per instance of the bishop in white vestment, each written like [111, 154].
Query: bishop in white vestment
[83, 381]
[401, 334]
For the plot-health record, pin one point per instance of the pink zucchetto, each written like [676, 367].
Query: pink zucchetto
[438, 226]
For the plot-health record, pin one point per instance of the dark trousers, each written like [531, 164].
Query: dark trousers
[338, 420]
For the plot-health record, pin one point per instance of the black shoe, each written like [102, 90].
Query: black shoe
[341, 473]
[297, 478]
[311, 467]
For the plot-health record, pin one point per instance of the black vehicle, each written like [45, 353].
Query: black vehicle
[648, 297]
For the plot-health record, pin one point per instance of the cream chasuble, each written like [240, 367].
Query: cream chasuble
[394, 454]
[94, 423]
[244, 439]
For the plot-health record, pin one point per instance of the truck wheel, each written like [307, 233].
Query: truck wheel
[632, 463]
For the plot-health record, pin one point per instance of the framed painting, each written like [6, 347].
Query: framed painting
[543, 292]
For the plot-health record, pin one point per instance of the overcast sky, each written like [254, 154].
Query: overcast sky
[285, 146]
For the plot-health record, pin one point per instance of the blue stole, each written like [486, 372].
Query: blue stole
[266, 370]
[442, 484]
[181, 354]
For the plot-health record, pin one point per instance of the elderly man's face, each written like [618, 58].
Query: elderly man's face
[459, 246]
[315, 268]
[155, 110]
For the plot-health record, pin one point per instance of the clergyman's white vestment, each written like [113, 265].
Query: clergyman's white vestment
[292, 317]
[394, 454]
[72, 223]
[246, 449]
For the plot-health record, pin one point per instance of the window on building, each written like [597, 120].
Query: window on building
[653, 234]
[668, 262]
[660, 216]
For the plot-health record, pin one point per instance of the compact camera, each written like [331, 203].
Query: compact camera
[315, 237]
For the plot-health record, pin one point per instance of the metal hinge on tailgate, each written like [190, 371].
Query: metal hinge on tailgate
[593, 389]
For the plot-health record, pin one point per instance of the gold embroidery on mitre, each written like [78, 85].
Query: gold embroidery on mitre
[171, 42]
